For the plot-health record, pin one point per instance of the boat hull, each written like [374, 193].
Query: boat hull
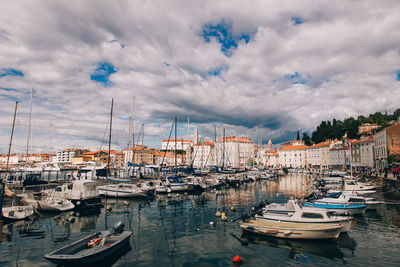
[292, 231]
[64, 256]
[346, 225]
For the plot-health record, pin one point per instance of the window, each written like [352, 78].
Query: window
[312, 215]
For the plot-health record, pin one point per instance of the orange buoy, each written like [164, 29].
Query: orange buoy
[237, 259]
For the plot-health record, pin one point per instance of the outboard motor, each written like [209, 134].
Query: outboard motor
[118, 227]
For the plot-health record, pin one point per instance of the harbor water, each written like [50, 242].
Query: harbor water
[182, 230]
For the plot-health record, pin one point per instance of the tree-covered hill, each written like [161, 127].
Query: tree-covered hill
[337, 128]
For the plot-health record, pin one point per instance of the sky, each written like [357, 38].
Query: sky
[263, 69]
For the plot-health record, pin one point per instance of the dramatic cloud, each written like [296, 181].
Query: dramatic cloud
[266, 69]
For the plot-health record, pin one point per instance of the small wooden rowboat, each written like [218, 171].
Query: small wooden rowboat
[292, 230]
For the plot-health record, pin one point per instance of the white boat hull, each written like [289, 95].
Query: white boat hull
[120, 193]
[292, 230]
[345, 224]
[17, 212]
[58, 206]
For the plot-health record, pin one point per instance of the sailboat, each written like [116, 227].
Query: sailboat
[172, 183]
[13, 212]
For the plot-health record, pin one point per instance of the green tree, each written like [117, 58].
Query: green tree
[298, 135]
[307, 140]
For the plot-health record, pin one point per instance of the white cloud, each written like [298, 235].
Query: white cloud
[348, 49]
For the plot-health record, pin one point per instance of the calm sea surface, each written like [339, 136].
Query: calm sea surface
[175, 230]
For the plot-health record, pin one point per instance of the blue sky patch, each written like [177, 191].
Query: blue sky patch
[298, 78]
[7, 89]
[10, 72]
[297, 20]
[218, 71]
[102, 73]
[398, 75]
[223, 33]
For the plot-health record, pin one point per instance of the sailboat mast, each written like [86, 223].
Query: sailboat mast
[29, 133]
[11, 138]
[175, 143]
[3, 182]
[223, 152]
[109, 138]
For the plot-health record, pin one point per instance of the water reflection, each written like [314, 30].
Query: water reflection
[330, 249]
[182, 230]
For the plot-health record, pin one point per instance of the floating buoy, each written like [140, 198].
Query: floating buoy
[237, 259]
[218, 214]
[126, 203]
[212, 223]
[109, 208]
[233, 209]
[197, 229]
[223, 217]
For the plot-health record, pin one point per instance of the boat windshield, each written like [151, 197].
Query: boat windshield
[311, 215]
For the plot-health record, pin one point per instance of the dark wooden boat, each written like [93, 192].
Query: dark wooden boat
[106, 244]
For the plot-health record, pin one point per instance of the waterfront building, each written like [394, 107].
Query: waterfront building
[317, 155]
[387, 146]
[168, 158]
[100, 156]
[362, 153]
[204, 155]
[180, 144]
[231, 152]
[65, 156]
[338, 156]
[139, 155]
[367, 128]
[14, 159]
[271, 158]
[293, 154]
[234, 152]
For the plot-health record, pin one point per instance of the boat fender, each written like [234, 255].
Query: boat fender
[233, 209]
[218, 214]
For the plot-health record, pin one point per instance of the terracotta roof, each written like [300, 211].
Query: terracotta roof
[293, 147]
[327, 143]
[177, 140]
[208, 143]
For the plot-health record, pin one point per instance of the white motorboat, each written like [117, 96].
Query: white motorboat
[292, 230]
[292, 212]
[53, 204]
[122, 190]
[346, 198]
[47, 202]
[14, 213]
[172, 184]
[82, 193]
[345, 209]
[353, 185]
[196, 183]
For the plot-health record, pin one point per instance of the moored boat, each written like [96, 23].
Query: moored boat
[93, 248]
[292, 212]
[292, 230]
